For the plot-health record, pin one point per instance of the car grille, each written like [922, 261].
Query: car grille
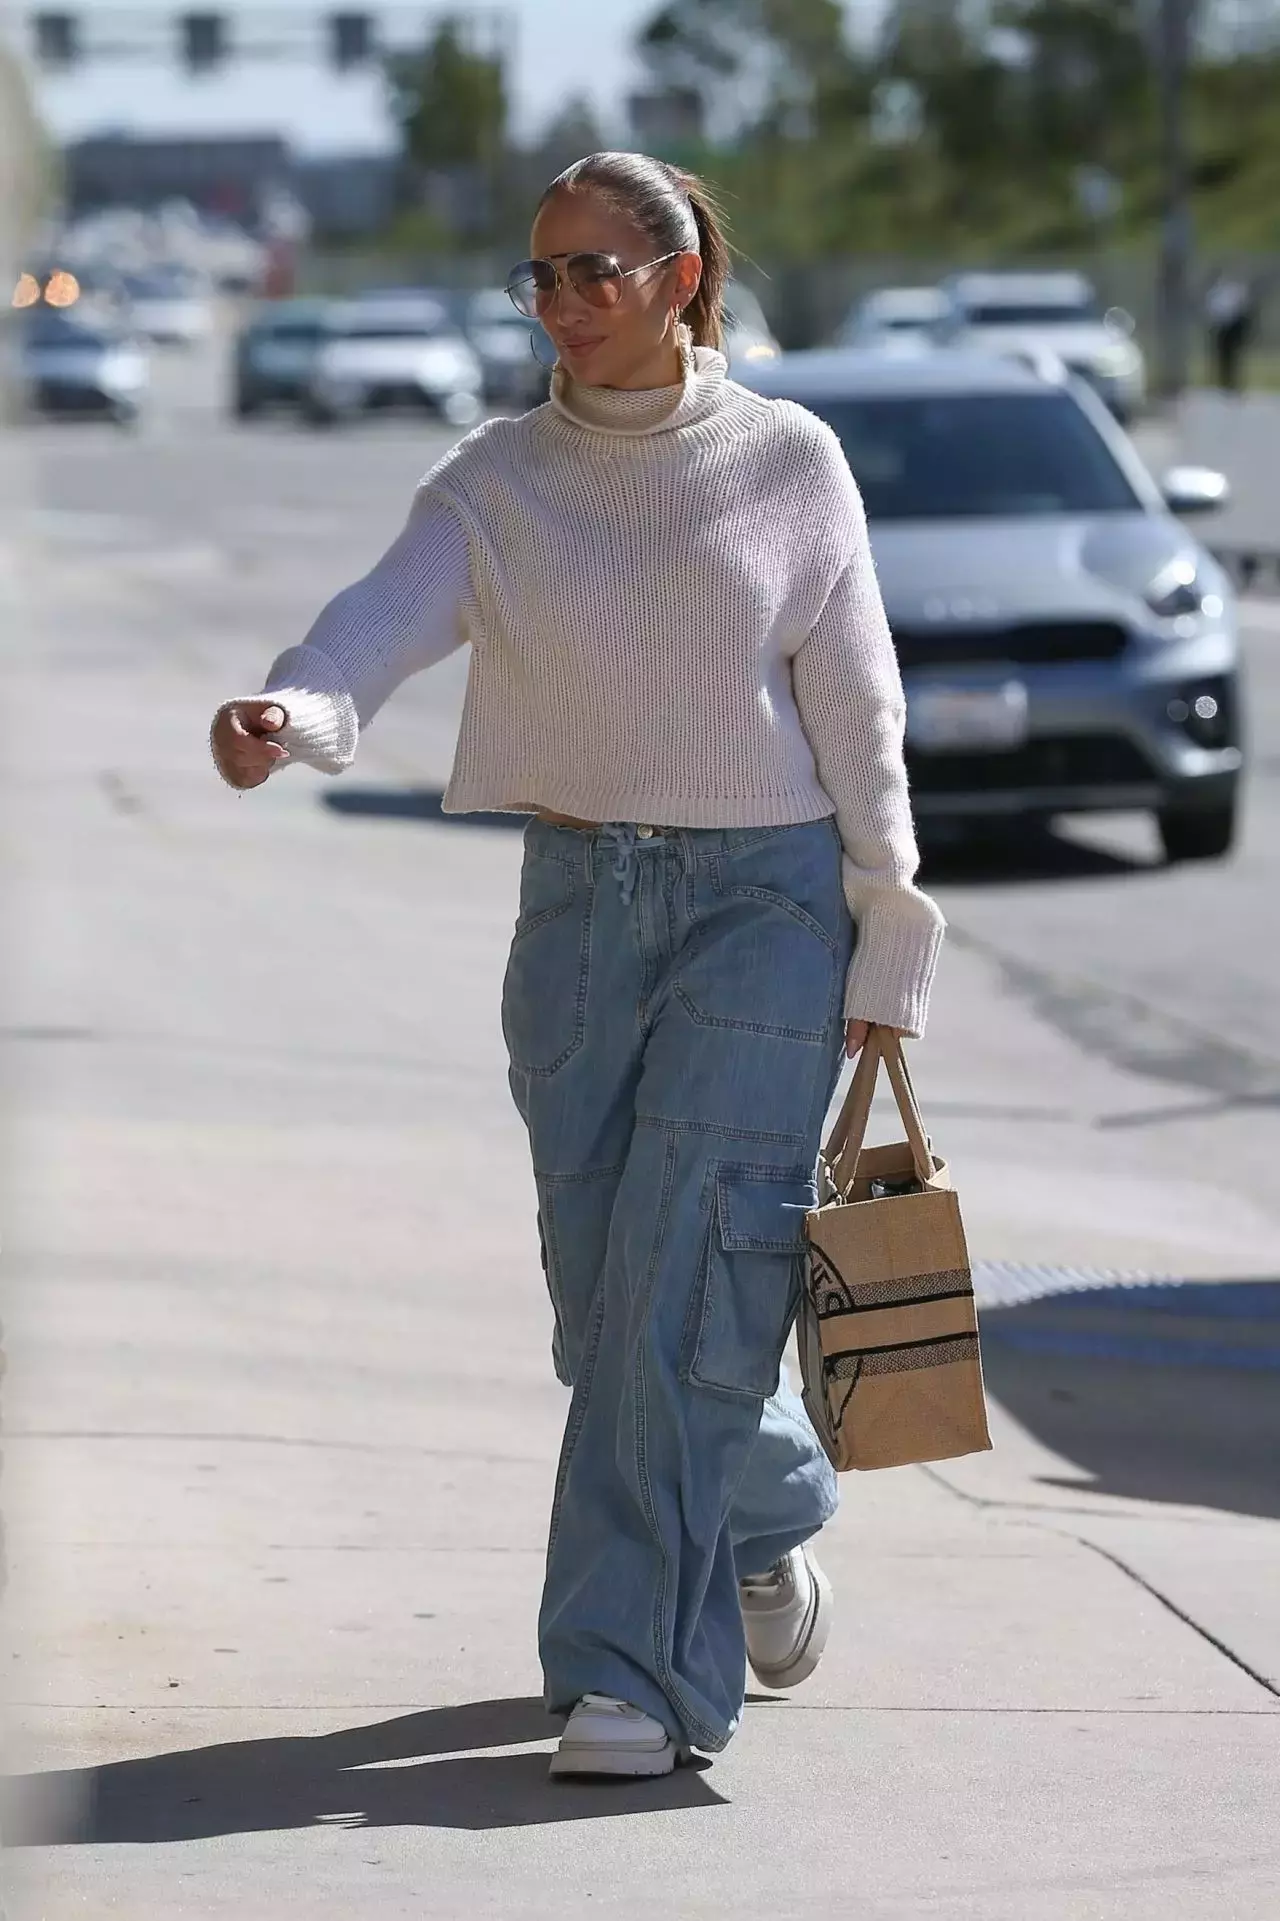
[1029, 643]
[1080, 760]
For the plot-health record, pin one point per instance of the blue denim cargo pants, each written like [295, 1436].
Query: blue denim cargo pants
[673, 1015]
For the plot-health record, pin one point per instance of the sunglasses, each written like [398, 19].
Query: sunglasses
[599, 278]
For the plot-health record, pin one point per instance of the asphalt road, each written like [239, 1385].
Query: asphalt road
[281, 1423]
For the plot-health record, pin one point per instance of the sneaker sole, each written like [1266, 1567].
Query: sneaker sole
[812, 1644]
[588, 1761]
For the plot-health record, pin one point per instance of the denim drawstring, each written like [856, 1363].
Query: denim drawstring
[621, 836]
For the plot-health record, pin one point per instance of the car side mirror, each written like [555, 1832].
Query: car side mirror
[1195, 490]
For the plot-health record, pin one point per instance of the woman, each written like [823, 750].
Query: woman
[681, 667]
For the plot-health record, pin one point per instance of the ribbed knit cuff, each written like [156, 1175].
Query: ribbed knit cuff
[322, 727]
[899, 939]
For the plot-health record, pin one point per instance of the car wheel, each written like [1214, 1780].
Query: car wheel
[124, 414]
[317, 414]
[246, 406]
[1201, 833]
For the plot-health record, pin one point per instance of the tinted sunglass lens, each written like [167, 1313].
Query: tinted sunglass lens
[531, 283]
[597, 277]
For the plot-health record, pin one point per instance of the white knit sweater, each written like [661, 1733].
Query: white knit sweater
[674, 617]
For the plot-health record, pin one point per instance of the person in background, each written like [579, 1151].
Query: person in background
[681, 668]
[1230, 315]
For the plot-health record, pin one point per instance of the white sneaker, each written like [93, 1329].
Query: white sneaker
[787, 1615]
[608, 1736]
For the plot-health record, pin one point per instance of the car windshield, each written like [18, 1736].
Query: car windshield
[47, 327]
[1032, 313]
[393, 328]
[977, 456]
[165, 284]
[303, 331]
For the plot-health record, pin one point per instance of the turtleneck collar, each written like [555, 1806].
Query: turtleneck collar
[643, 410]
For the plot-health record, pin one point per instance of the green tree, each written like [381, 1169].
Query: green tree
[450, 102]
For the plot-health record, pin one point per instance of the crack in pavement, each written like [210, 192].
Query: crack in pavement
[1120, 1027]
[1030, 1517]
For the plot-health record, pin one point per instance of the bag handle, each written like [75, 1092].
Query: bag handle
[847, 1136]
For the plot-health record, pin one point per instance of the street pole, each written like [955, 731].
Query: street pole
[1174, 289]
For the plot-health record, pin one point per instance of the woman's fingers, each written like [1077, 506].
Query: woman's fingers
[242, 741]
[855, 1037]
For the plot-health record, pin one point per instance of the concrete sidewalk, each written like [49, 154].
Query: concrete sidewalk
[282, 1421]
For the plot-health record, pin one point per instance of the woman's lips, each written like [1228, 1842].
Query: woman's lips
[578, 349]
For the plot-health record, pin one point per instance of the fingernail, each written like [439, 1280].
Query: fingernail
[273, 717]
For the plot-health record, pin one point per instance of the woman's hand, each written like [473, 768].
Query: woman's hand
[855, 1036]
[242, 743]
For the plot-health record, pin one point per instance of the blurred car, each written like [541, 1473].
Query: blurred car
[1057, 313]
[1065, 642]
[748, 337]
[396, 351]
[894, 318]
[71, 363]
[275, 354]
[503, 339]
[171, 305]
[235, 260]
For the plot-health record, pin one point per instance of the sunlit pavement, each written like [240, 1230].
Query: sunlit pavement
[282, 1419]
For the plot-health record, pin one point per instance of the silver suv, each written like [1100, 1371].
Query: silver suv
[1066, 643]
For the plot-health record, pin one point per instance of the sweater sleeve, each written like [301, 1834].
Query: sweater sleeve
[406, 614]
[848, 691]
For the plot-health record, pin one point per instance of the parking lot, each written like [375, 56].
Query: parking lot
[282, 1419]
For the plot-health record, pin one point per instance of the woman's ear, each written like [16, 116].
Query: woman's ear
[688, 279]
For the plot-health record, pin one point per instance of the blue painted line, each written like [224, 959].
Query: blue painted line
[1143, 1350]
[1196, 1300]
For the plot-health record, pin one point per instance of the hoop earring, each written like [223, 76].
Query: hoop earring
[539, 337]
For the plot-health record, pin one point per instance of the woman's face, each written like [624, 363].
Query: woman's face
[631, 344]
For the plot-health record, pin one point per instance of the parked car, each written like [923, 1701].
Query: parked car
[503, 339]
[748, 337]
[898, 319]
[393, 352]
[274, 356]
[172, 305]
[73, 363]
[1066, 643]
[1034, 314]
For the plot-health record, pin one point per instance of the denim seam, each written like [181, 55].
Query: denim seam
[772, 898]
[746, 837]
[663, 1123]
[577, 1414]
[584, 976]
[582, 1176]
[525, 927]
[808, 1037]
[694, 1726]
[551, 1271]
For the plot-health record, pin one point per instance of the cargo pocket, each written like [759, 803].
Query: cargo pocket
[748, 1282]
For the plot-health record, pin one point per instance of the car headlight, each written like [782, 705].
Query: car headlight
[1180, 592]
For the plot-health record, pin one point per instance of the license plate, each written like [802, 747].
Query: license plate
[943, 715]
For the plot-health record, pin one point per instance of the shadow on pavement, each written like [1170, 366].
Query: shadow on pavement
[1166, 1392]
[336, 1780]
[410, 803]
[1008, 853]
[1011, 853]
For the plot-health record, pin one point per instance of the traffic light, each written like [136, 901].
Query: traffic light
[204, 41]
[57, 39]
[351, 39]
